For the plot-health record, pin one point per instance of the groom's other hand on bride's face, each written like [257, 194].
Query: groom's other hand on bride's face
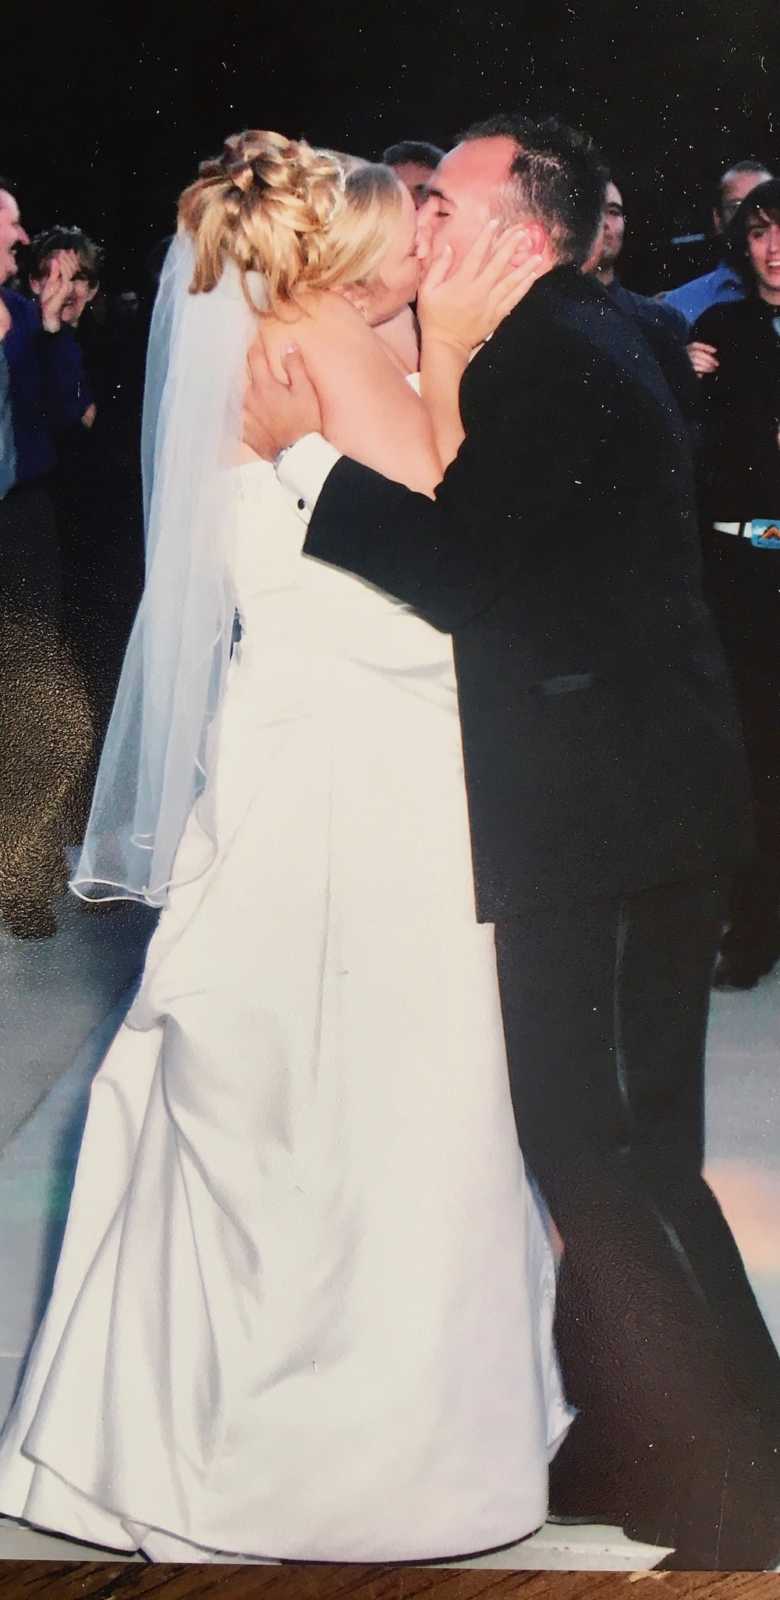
[280, 406]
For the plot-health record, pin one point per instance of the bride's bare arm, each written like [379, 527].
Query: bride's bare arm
[442, 366]
[369, 411]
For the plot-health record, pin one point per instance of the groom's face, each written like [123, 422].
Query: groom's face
[462, 195]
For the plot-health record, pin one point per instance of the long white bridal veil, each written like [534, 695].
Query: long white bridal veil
[154, 763]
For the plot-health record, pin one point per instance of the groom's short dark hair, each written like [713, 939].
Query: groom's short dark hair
[558, 176]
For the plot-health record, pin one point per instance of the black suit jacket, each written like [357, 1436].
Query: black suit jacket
[601, 748]
[666, 332]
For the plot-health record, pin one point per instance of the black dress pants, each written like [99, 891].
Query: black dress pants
[663, 1348]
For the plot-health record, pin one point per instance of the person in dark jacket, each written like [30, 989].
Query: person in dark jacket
[95, 486]
[664, 328]
[45, 725]
[741, 536]
[607, 795]
[39, 399]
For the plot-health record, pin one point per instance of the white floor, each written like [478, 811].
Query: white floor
[60, 1003]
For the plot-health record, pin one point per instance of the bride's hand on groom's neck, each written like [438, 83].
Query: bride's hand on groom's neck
[278, 413]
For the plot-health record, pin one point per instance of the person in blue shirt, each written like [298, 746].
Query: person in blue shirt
[723, 283]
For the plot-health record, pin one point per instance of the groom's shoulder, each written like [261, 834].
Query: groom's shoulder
[569, 324]
[561, 306]
[567, 304]
[564, 328]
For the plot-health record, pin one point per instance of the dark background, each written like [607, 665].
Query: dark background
[106, 116]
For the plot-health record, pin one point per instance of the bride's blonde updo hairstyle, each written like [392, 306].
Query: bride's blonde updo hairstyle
[305, 219]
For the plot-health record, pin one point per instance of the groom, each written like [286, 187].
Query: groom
[607, 799]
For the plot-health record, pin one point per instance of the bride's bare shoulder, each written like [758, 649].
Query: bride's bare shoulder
[342, 352]
[317, 317]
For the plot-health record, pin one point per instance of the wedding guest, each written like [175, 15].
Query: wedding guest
[11, 234]
[741, 529]
[34, 379]
[45, 247]
[81, 498]
[663, 327]
[44, 721]
[613, 232]
[415, 161]
[95, 484]
[38, 399]
[723, 284]
[78, 399]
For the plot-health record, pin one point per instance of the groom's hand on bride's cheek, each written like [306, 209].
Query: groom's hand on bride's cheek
[278, 413]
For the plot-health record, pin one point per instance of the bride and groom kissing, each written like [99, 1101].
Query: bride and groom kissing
[304, 1305]
[607, 806]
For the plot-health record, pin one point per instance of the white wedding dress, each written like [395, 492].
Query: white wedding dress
[304, 1303]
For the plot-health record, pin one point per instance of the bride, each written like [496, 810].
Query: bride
[304, 1303]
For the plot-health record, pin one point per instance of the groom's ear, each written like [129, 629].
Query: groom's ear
[534, 240]
[538, 238]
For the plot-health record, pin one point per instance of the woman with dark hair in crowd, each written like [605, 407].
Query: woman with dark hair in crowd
[96, 482]
[741, 529]
[79, 409]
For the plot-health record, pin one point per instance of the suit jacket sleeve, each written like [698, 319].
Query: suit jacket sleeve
[536, 409]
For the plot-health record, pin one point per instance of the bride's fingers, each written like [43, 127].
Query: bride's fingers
[515, 287]
[511, 289]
